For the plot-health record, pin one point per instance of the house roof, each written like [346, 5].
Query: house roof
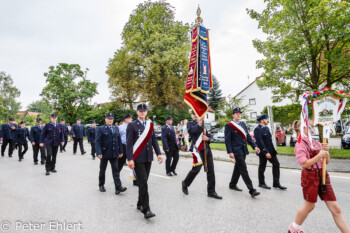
[247, 87]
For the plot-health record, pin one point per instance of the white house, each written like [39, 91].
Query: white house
[257, 98]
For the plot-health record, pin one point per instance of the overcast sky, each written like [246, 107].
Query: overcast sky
[35, 34]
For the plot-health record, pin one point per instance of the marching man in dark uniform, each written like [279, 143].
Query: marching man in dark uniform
[108, 147]
[195, 130]
[170, 146]
[34, 138]
[65, 135]
[268, 152]
[78, 134]
[91, 134]
[22, 133]
[236, 139]
[8, 137]
[51, 137]
[140, 139]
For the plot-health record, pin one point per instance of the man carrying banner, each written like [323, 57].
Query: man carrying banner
[195, 130]
[236, 139]
[140, 139]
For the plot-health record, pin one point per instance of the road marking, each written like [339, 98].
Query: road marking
[160, 176]
[340, 177]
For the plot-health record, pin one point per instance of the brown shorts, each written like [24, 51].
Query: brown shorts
[310, 181]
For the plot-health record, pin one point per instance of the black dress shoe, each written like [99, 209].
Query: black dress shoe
[93, 158]
[83, 153]
[61, 151]
[236, 188]
[184, 188]
[35, 163]
[120, 190]
[214, 195]
[264, 186]
[42, 163]
[10, 155]
[279, 187]
[19, 160]
[134, 182]
[148, 214]
[102, 188]
[74, 153]
[254, 193]
[47, 173]
[169, 174]
[64, 150]
[174, 172]
[53, 170]
[2, 155]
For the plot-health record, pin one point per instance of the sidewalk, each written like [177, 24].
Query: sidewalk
[336, 165]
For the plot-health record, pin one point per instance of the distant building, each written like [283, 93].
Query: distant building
[26, 113]
[257, 98]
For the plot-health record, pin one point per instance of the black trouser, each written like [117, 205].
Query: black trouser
[63, 148]
[142, 171]
[75, 145]
[11, 144]
[210, 174]
[93, 152]
[241, 170]
[20, 152]
[122, 160]
[36, 149]
[174, 156]
[115, 172]
[275, 168]
[51, 157]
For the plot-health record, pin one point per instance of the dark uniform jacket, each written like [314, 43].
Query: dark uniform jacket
[21, 135]
[91, 134]
[263, 139]
[235, 143]
[51, 135]
[169, 138]
[78, 131]
[133, 131]
[1, 134]
[65, 129]
[7, 132]
[108, 143]
[35, 133]
[195, 130]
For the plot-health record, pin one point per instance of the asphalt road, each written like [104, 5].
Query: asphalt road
[71, 196]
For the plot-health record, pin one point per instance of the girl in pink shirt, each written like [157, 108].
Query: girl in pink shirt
[309, 155]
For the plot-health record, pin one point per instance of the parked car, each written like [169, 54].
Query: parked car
[158, 131]
[345, 140]
[294, 139]
[219, 136]
[251, 127]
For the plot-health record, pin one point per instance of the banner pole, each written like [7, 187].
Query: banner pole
[205, 149]
[324, 169]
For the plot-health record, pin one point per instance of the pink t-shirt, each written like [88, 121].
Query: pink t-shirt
[302, 151]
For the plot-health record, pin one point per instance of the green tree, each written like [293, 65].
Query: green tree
[124, 73]
[41, 106]
[68, 90]
[227, 107]
[9, 105]
[307, 45]
[158, 47]
[215, 94]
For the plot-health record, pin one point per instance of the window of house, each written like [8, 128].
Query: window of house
[253, 115]
[252, 101]
[262, 88]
